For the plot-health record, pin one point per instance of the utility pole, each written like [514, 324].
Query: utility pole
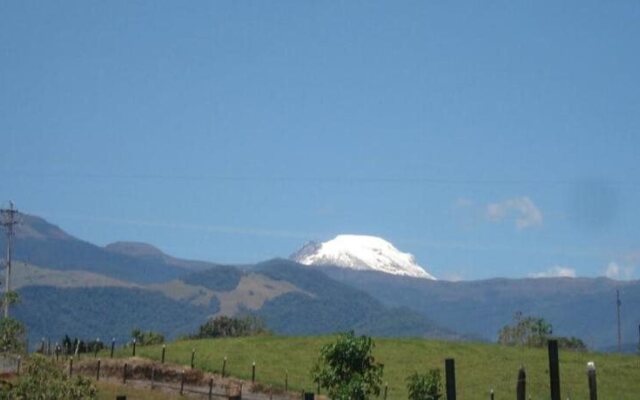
[618, 304]
[8, 219]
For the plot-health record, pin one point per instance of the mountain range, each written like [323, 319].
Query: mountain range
[70, 286]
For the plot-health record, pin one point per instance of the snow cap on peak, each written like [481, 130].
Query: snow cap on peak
[361, 252]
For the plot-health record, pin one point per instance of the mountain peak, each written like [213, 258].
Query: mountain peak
[361, 252]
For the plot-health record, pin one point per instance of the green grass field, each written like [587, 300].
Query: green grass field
[479, 367]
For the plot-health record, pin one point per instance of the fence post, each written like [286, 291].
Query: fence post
[98, 371]
[591, 374]
[521, 389]
[193, 357]
[253, 372]
[450, 372]
[164, 349]
[71, 366]
[210, 388]
[286, 381]
[124, 373]
[97, 347]
[386, 389]
[18, 366]
[134, 347]
[491, 395]
[554, 370]
[113, 346]
[153, 376]
[57, 351]
[224, 365]
[182, 382]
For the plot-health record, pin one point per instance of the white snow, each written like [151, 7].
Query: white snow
[361, 252]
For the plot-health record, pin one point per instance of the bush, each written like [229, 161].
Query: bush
[12, 335]
[425, 386]
[347, 369]
[147, 338]
[224, 326]
[45, 380]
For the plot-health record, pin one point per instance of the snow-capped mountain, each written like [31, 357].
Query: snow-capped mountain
[362, 253]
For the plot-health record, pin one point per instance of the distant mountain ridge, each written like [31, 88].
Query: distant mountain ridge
[67, 284]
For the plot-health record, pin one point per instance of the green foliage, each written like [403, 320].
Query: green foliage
[525, 331]
[147, 338]
[224, 326]
[70, 346]
[571, 343]
[347, 368]
[425, 386]
[9, 298]
[45, 380]
[535, 332]
[12, 335]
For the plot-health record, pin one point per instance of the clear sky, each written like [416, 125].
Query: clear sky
[486, 138]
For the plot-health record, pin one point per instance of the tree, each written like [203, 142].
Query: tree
[525, 331]
[535, 332]
[224, 326]
[425, 386]
[45, 380]
[347, 368]
[12, 335]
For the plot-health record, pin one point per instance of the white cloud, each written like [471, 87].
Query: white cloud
[522, 209]
[557, 271]
[616, 271]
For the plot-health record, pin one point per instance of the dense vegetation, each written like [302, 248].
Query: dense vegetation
[44, 379]
[223, 326]
[220, 278]
[534, 332]
[103, 312]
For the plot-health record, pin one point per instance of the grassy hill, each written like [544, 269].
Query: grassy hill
[479, 367]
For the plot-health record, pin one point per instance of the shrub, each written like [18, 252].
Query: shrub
[425, 386]
[45, 380]
[347, 368]
[147, 338]
[224, 326]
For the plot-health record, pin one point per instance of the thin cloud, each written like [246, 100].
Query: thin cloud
[619, 272]
[525, 213]
[557, 271]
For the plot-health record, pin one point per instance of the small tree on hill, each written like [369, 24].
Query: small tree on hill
[347, 369]
[425, 386]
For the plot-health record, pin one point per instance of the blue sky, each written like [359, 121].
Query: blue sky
[488, 139]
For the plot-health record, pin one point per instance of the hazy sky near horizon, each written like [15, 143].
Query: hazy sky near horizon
[486, 138]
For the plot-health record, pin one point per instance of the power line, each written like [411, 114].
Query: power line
[8, 219]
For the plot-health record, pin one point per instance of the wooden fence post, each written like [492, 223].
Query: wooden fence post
[124, 373]
[71, 366]
[286, 380]
[97, 347]
[591, 374]
[521, 389]
[210, 388]
[450, 372]
[98, 371]
[491, 395]
[386, 390]
[134, 347]
[253, 372]
[193, 357]
[182, 382]
[18, 366]
[164, 349]
[224, 365]
[113, 346]
[554, 369]
[153, 376]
